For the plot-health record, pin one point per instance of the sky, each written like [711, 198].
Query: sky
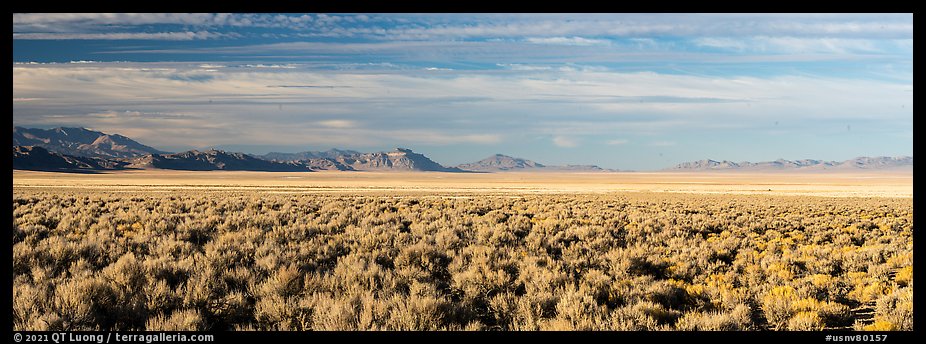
[621, 91]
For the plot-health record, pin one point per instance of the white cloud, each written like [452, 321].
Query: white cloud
[642, 26]
[567, 41]
[523, 56]
[617, 142]
[436, 137]
[790, 44]
[722, 43]
[566, 29]
[481, 138]
[644, 42]
[135, 115]
[477, 107]
[338, 123]
[120, 18]
[272, 66]
[523, 67]
[53, 21]
[166, 36]
[562, 141]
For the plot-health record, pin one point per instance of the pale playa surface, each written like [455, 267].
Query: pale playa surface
[834, 184]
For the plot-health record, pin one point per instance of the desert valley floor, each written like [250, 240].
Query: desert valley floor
[836, 184]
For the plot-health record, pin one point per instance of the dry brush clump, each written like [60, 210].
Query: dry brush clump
[248, 261]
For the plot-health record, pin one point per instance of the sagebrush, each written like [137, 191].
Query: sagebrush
[251, 261]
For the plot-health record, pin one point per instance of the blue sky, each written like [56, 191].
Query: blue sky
[625, 91]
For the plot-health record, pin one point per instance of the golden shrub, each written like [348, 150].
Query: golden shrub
[904, 276]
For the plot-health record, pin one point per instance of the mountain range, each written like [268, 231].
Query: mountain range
[863, 163]
[400, 159]
[81, 142]
[40, 159]
[502, 163]
[82, 149]
[211, 160]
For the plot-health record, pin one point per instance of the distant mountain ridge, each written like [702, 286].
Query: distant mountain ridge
[81, 142]
[40, 159]
[500, 162]
[211, 160]
[503, 163]
[400, 159]
[866, 163]
[880, 162]
[301, 156]
[66, 148]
